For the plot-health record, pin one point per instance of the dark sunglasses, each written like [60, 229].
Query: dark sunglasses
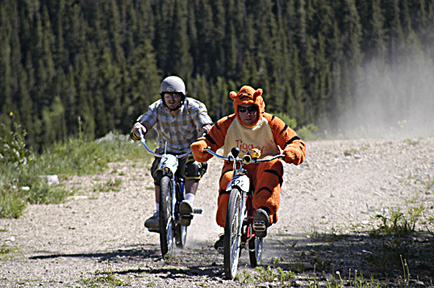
[251, 109]
[172, 95]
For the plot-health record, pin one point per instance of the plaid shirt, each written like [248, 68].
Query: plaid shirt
[177, 131]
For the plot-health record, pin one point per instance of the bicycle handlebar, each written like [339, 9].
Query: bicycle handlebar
[250, 160]
[142, 139]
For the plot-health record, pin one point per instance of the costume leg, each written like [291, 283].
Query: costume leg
[268, 183]
[223, 198]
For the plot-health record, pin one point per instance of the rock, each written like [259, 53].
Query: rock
[52, 180]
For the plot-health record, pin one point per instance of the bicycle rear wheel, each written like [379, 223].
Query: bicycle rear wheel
[181, 236]
[255, 251]
[166, 221]
[232, 240]
[180, 231]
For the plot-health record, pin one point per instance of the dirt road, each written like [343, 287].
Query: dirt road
[326, 224]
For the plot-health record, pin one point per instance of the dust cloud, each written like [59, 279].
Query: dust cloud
[392, 101]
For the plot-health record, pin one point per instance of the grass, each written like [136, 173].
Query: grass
[396, 223]
[108, 279]
[6, 252]
[21, 185]
[277, 277]
[104, 278]
[111, 185]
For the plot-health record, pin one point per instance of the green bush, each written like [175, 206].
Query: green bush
[11, 205]
[22, 184]
[306, 132]
[12, 145]
[287, 119]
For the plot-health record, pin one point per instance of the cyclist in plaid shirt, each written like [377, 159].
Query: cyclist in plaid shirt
[179, 120]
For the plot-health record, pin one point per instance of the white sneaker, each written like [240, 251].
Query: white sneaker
[186, 212]
[153, 221]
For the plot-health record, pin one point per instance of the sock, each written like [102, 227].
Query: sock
[189, 197]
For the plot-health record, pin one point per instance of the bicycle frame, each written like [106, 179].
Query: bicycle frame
[242, 209]
[169, 228]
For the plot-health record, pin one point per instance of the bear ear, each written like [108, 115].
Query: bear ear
[233, 95]
[257, 93]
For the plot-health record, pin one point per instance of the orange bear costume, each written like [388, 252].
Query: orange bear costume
[267, 134]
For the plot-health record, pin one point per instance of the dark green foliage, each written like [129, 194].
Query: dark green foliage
[91, 67]
[13, 148]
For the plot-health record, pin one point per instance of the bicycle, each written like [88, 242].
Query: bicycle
[171, 196]
[239, 229]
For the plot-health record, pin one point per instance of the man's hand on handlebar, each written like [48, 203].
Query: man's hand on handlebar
[135, 131]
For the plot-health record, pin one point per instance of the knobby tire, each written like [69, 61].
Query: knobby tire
[232, 240]
[181, 231]
[166, 220]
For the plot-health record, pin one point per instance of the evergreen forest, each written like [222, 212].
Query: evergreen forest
[89, 67]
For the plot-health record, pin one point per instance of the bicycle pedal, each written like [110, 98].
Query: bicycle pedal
[155, 230]
[197, 211]
[186, 215]
[221, 250]
[259, 226]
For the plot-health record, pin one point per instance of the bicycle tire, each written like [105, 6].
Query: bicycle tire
[166, 220]
[181, 236]
[255, 251]
[180, 231]
[232, 240]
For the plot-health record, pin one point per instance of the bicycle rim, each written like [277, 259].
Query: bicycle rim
[166, 219]
[232, 240]
[255, 251]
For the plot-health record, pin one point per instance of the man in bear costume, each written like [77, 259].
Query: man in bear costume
[251, 127]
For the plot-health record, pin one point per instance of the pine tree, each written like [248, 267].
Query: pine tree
[71, 113]
[394, 30]
[145, 82]
[53, 121]
[377, 43]
[25, 103]
[222, 103]
[84, 108]
[204, 27]
[146, 23]
[6, 79]
[114, 31]
[218, 39]
[179, 59]
[230, 51]
[162, 12]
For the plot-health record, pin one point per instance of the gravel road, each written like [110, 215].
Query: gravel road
[326, 227]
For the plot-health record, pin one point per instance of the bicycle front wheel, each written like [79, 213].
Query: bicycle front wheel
[166, 221]
[232, 240]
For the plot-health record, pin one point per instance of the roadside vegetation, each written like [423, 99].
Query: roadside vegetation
[22, 180]
[22, 171]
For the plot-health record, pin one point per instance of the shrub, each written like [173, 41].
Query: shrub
[12, 145]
